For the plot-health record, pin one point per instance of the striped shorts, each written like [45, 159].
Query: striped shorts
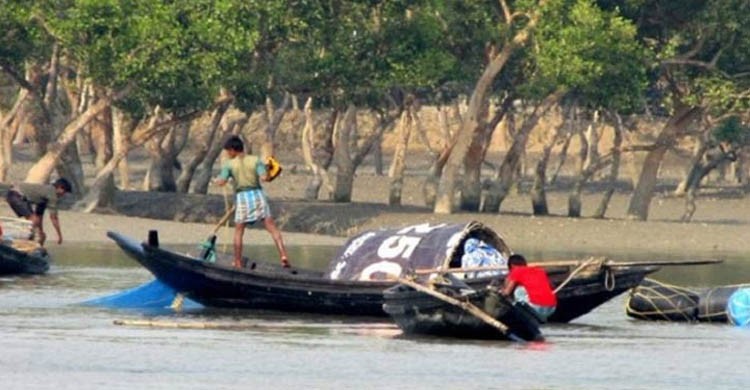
[251, 206]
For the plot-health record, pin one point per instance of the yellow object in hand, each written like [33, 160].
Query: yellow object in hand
[273, 168]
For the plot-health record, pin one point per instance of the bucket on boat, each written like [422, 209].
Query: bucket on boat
[738, 307]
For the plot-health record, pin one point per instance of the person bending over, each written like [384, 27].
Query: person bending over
[251, 204]
[30, 201]
[529, 284]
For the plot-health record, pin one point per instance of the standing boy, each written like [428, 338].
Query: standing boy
[30, 201]
[530, 285]
[251, 204]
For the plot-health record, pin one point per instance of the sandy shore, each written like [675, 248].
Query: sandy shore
[303, 223]
[92, 228]
[720, 227]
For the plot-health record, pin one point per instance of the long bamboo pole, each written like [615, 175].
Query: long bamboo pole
[568, 263]
[473, 310]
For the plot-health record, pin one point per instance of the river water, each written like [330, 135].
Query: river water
[48, 341]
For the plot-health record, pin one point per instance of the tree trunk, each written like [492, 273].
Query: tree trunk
[471, 182]
[41, 171]
[204, 144]
[563, 157]
[430, 186]
[274, 117]
[6, 135]
[69, 166]
[102, 134]
[574, 199]
[398, 165]
[342, 188]
[592, 135]
[644, 189]
[697, 175]
[132, 139]
[614, 170]
[538, 192]
[699, 149]
[444, 201]
[97, 192]
[122, 126]
[101, 138]
[741, 167]
[507, 172]
[161, 170]
[377, 156]
[348, 155]
[202, 177]
[471, 186]
[312, 188]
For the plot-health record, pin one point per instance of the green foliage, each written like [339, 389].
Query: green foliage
[22, 39]
[732, 130]
[703, 49]
[173, 54]
[592, 53]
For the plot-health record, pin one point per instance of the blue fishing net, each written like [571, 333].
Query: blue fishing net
[153, 295]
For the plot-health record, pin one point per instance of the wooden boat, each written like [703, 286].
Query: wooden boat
[20, 257]
[465, 313]
[355, 279]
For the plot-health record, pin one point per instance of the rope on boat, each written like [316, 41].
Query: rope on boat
[664, 293]
[661, 301]
[609, 279]
[578, 269]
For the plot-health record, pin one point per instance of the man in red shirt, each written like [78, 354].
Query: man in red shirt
[530, 285]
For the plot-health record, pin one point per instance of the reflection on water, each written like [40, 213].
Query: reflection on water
[48, 342]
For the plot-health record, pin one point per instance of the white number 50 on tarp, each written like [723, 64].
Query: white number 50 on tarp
[398, 246]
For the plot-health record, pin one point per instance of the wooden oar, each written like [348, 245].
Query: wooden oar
[568, 263]
[475, 311]
[210, 244]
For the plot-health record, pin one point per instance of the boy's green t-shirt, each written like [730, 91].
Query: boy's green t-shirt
[245, 170]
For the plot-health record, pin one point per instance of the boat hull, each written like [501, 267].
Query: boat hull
[15, 262]
[419, 313]
[268, 286]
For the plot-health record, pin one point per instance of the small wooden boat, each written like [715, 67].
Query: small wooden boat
[355, 279]
[656, 301]
[22, 257]
[453, 309]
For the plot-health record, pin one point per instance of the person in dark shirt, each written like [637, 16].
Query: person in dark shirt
[30, 201]
[529, 284]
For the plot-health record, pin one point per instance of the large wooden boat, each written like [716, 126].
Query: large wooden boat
[19, 257]
[355, 280]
